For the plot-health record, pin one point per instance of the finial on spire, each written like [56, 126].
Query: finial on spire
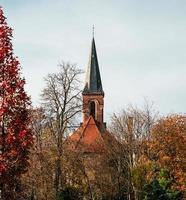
[93, 28]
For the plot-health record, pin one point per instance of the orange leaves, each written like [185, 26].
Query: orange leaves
[169, 142]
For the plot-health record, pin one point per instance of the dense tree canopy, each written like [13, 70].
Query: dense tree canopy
[169, 147]
[16, 137]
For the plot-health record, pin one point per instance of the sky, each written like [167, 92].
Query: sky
[141, 47]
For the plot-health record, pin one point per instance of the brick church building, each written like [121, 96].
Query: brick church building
[92, 135]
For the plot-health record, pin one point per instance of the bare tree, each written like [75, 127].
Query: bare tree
[61, 101]
[132, 129]
[38, 183]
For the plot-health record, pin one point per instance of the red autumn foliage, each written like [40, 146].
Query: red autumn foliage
[16, 138]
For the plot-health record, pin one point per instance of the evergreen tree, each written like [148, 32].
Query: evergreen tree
[16, 138]
[160, 188]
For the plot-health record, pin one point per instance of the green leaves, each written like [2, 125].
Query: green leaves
[160, 188]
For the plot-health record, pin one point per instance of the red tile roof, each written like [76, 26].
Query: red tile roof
[89, 138]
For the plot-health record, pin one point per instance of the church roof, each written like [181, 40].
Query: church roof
[93, 84]
[88, 137]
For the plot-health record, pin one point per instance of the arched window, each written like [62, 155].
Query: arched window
[92, 108]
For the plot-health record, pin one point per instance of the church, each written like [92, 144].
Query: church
[91, 144]
[92, 135]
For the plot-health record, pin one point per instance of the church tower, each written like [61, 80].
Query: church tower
[93, 95]
[92, 135]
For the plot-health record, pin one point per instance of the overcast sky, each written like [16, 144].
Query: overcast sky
[141, 46]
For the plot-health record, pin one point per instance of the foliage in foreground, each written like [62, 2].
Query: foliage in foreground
[16, 138]
[129, 170]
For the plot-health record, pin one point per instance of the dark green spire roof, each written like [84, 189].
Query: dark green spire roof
[93, 83]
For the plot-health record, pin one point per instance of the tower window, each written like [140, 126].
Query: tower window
[92, 108]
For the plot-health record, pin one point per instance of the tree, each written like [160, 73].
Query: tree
[61, 102]
[160, 188]
[16, 138]
[168, 147]
[38, 182]
[132, 129]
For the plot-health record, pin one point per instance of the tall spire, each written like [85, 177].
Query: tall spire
[93, 83]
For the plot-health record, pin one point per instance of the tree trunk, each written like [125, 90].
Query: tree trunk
[58, 176]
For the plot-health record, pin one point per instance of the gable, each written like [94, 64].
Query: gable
[88, 137]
